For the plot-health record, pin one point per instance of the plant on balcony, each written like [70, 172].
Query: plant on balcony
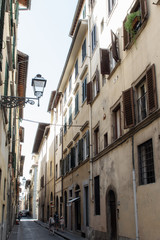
[133, 19]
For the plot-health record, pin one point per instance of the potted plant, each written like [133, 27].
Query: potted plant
[132, 20]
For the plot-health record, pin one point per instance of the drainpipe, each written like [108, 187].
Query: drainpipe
[90, 109]
[134, 191]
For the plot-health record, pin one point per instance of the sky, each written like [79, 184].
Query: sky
[43, 34]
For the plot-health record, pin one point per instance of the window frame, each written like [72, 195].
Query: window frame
[84, 50]
[94, 37]
[84, 89]
[146, 163]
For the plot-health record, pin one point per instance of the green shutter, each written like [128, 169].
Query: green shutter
[6, 80]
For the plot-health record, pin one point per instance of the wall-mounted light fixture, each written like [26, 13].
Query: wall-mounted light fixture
[38, 84]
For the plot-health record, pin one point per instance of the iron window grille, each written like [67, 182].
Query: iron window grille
[146, 163]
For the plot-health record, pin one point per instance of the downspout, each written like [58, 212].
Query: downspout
[134, 191]
[90, 108]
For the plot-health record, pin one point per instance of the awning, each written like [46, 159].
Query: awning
[73, 200]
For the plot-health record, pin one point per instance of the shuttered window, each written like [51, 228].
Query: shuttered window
[76, 103]
[84, 50]
[80, 151]
[151, 89]
[72, 157]
[94, 41]
[140, 5]
[128, 108]
[89, 92]
[104, 61]
[84, 89]
[6, 80]
[115, 52]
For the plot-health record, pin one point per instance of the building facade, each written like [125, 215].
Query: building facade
[13, 75]
[105, 125]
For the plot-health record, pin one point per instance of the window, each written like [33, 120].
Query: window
[4, 189]
[42, 181]
[97, 195]
[93, 88]
[111, 4]
[83, 50]
[117, 122]
[110, 57]
[65, 124]
[50, 168]
[96, 141]
[142, 101]
[102, 25]
[76, 103]
[84, 89]
[72, 154]
[56, 171]
[60, 136]
[140, 8]
[86, 145]
[56, 142]
[76, 155]
[84, 12]
[65, 95]
[146, 98]
[146, 163]
[70, 115]
[76, 69]
[60, 110]
[96, 84]
[94, 40]
[70, 84]
[105, 140]
[86, 204]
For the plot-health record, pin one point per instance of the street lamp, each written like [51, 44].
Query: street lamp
[38, 84]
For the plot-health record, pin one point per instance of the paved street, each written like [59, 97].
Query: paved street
[28, 230]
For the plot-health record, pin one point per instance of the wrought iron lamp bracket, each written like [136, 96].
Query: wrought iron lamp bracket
[13, 102]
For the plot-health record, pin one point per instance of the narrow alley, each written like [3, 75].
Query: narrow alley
[28, 229]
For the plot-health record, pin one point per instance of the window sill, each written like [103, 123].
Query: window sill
[114, 69]
[84, 102]
[76, 115]
[95, 98]
[133, 40]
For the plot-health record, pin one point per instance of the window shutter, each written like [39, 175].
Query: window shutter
[73, 157]
[62, 167]
[2, 14]
[126, 39]
[104, 61]
[88, 145]
[89, 92]
[144, 9]
[67, 163]
[114, 46]
[151, 89]
[80, 151]
[128, 107]
[97, 80]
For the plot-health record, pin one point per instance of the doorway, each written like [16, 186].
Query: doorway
[111, 216]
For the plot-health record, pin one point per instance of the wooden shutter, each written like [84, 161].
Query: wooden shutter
[73, 157]
[128, 107]
[144, 9]
[114, 46]
[126, 39]
[104, 61]
[151, 89]
[89, 92]
[88, 143]
[80, 151]
[97, 80]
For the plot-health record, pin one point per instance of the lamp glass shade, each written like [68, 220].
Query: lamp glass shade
[38, 84]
